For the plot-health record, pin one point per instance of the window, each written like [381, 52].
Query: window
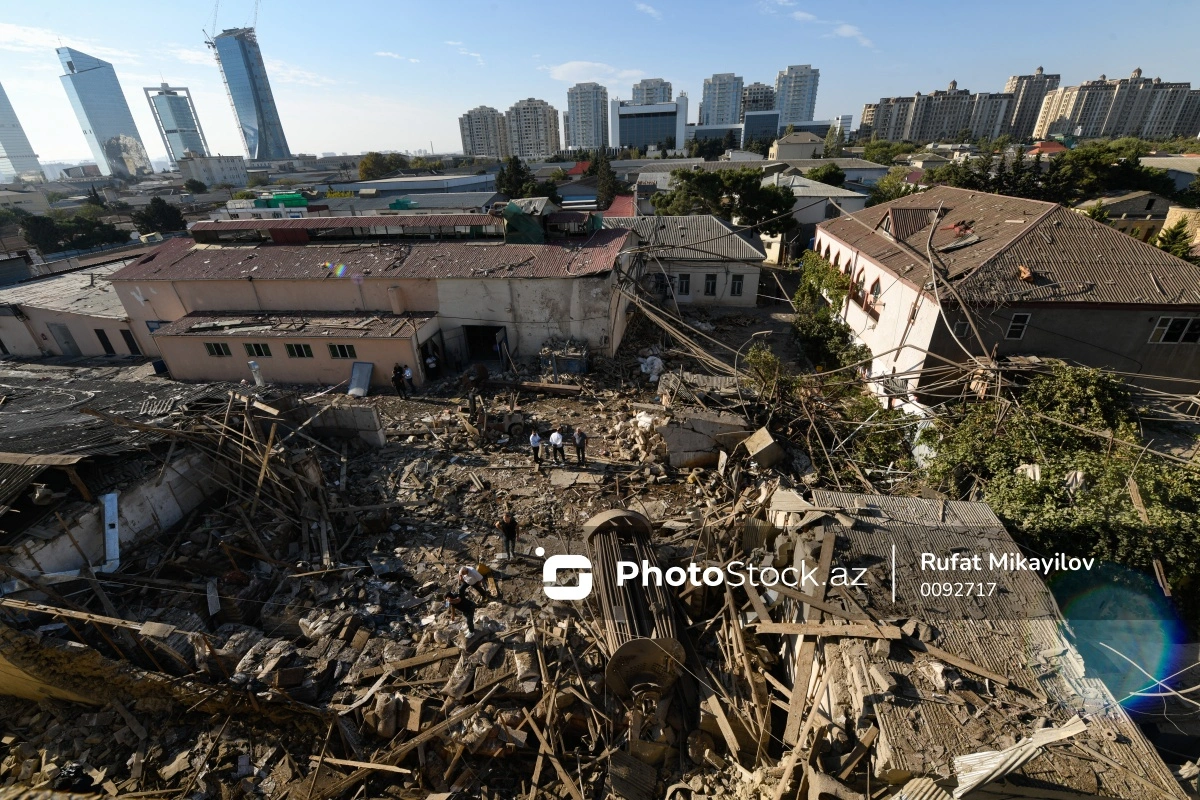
[685, 284]
[875, 291]
[154, 324]
[130, 342]
[258, 350]
[105, 343]
[1173, 330]
[735, 285]
[710, 285]
[299, 351]
[342, 351]
[1017, 326]
[961, 328]
[217, 349]
[1150, 204]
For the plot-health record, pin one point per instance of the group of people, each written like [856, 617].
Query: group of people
[475, 578]
[402, 380]
[557, 443]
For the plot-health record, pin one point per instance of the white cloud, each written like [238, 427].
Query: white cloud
[464, 51]
[284, 72]
[585, 71]
[804, 16]
[398, 57]
[648, 9]
[455, 44]
[193, 55]
[24, 39]
[845, 31]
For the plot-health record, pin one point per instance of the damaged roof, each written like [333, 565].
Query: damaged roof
[984, 239]
[697, 237]
[86, 292]
[185, 260]
[298, 325]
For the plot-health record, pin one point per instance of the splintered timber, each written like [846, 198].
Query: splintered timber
[1004, 562]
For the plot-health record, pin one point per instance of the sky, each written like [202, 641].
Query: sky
[358, 75]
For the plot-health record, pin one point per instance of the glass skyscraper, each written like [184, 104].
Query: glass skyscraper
[177, 122]
[103, 114]
[249, 90]
[17, 158]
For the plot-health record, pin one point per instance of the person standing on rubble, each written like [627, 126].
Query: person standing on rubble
[458, 602]
[408, 379]
[398, 381]
[556, 446]
[535, 445]
[471, 578]
[508, 526]
[580, 447]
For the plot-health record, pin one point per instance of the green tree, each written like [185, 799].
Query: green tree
[1176, 240]
[374, 166]
[194, 186]
[547, 189]
[559, 174]
[606, 181]
[257, 180]
[73, 233]
[244, 194]
[287, 182]
[835, 143]
[515, 179]
[729, 194]
[159, 217]
[884, 152]
[830, 174]
[892, 186]
[1097, 212]
[789, 130]
[825, 338]
[93, 198]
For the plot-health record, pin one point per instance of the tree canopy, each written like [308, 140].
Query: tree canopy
[835, 143]
[892, 186]
[159, 216]
[378, 165]
[830, 174]
[515, 179]
[194, 186]
[730, 194]
[74, 233]
[606, 180]
[881, 152]
[1176, 240]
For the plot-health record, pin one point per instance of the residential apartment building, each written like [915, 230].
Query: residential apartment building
[721, 103]
[1028, 92]
[662, 125]
[245, 76]
[17, 159]
[175, 116]
[587, 112]
[99, 104]
[757, 97]
[649, 91]
[1135, 106]
[937, 115]
[533, 131]
[484, 133]
[796, 94]
[214, 170]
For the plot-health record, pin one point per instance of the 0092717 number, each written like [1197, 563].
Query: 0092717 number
[947, 589]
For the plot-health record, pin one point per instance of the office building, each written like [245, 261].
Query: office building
[484, 133]
[796, 93]
[760, 126]
[1028, 92]
[650, 91]
[17, 159]
[1149, 108]
[662, 125]
[533, 131]
[937, 116]
[757, 97]
[213, 170]
[245, 77]
[103, 114]
[587, 116]
[177, 122]
[721, 103]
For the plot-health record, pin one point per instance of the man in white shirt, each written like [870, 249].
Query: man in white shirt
[556, 447]
[535, 444]
[469, 577]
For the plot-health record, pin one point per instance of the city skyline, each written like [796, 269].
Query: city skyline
[403, 96]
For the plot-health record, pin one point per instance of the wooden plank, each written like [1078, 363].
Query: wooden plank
[274, 412]
[807, 652]
[829, 629]
[955, 661]
[346, 762]
[565, 777]
[760, 608]
[415, 661]
[262, 472]
[713, 704]
[860, 750]
[818, 603]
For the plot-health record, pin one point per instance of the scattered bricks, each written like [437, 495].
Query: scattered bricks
[288, 677]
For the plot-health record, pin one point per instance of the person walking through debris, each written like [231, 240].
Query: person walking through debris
[580, 447]
[398, 380]
[431, 367]
[471, 578]
[508, 526]
[556, 446]
[458, 602]
[408, 379]
[535, 444]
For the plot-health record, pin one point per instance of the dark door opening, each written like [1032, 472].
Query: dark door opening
[485, 342]
[130, 342]
[109, 350]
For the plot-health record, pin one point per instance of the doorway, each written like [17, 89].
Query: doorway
[62, 335]
[485, 342]
[109, 350]
[130, 342]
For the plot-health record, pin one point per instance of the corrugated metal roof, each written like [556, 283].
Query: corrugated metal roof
[806, 187]
[333, 223]
[1179, 163]
[298, 324]
[182, 260]
[87, 292]
[623, 205]
[700, 237]
[1073, 257]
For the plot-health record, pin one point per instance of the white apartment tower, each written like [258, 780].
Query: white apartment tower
[1135, 106]
[17, 158]
[649, 91]
[796, 94]
[721, 103]
[1028, 92]
[533, 129]
[484, 133]
[587, 116]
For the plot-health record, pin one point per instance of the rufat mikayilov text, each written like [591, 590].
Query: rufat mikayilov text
[1004, 562]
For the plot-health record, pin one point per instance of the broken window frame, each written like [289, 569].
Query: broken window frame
[1017, 326]
[298, 350]
[342, 351]
[257, 349]
[961, 329]
[218, 349]
[1175, 330]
